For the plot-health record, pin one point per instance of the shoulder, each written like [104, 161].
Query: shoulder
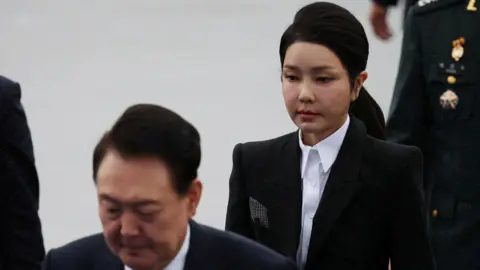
[243, 251]
[393, 155]
[430, 6]
[10, 94]
[8, 88]
[78, 252]
[260, 148]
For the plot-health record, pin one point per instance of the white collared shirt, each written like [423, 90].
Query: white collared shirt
[315, 167]
[178, 262]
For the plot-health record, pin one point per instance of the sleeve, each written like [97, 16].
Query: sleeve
[386, 3]
[408, 118]
[410, 247]
[23, 232]
[238, 212]
[16, 132]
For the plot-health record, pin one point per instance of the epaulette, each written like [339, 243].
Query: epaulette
[426, 6]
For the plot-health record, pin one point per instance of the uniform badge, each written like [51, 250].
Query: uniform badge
[458, 50]
[471, 6]
[422, 3]
[449, 100]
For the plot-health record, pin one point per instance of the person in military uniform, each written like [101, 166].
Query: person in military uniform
[436, 106]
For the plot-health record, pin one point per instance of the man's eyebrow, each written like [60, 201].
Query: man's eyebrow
[134, 203]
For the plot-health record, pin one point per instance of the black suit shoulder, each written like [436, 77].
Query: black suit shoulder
[9, 94]
[79, 254]
[243, 253]
[393, 159]
[262, 149]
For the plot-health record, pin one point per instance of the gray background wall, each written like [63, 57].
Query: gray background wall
[81, 63]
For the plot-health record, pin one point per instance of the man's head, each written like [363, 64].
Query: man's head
[145, 170]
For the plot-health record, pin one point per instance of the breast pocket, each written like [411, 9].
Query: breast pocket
[451, 90]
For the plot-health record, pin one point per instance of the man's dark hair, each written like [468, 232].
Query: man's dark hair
[147, 130]
[334, 27]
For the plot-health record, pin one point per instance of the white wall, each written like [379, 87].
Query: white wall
[81, 63]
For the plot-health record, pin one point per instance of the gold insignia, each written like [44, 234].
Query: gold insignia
[458, 50]
[471, 5]
[451, 79]
[449, 100]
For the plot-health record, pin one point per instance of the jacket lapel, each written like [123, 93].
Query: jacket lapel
[288, 195]
[341, 187]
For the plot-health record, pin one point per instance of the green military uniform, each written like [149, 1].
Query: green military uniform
[436, 106]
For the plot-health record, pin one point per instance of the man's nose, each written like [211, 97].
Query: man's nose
[129, 225]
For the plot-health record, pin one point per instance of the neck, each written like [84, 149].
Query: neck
[312, 139]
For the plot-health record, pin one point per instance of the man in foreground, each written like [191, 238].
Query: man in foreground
[145, 171]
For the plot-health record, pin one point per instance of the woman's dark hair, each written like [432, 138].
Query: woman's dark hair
[334, 27]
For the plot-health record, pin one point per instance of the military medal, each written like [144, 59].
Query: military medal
[451, 79]
[471, 6]
[449, 100]
[458, 50]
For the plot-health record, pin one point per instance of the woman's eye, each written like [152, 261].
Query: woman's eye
[290, 77]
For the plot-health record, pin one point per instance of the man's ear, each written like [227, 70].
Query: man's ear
[194, 194]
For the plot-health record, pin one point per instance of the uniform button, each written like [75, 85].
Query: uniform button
[451, 79]
[434, 213]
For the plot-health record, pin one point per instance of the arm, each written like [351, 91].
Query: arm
[238, 211]
[410, 247]
[386, 3]
[408, 118]
[15, 131]
[22, 236]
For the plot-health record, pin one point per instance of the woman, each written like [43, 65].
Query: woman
[328, 195]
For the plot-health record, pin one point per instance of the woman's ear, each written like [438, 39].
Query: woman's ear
[358, 83]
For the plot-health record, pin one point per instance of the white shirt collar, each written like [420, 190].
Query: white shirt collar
[178, 262]
[327, 148]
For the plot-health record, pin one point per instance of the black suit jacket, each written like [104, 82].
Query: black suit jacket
[21, 242]
[15, 132]
[372, 208]
[209, 249]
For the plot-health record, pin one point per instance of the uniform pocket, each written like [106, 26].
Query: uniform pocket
[452, 101]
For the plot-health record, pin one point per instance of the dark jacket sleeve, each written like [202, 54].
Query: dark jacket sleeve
[410, 245]
[366, 109]
[408, 117]
[14, 130]
[238, 212]
[21, 240]
[386, 3]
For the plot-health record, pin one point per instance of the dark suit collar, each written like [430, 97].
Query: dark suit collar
[341, 186]
[200, 250]
[105, 259]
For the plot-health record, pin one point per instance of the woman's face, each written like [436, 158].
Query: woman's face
[317, 89]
